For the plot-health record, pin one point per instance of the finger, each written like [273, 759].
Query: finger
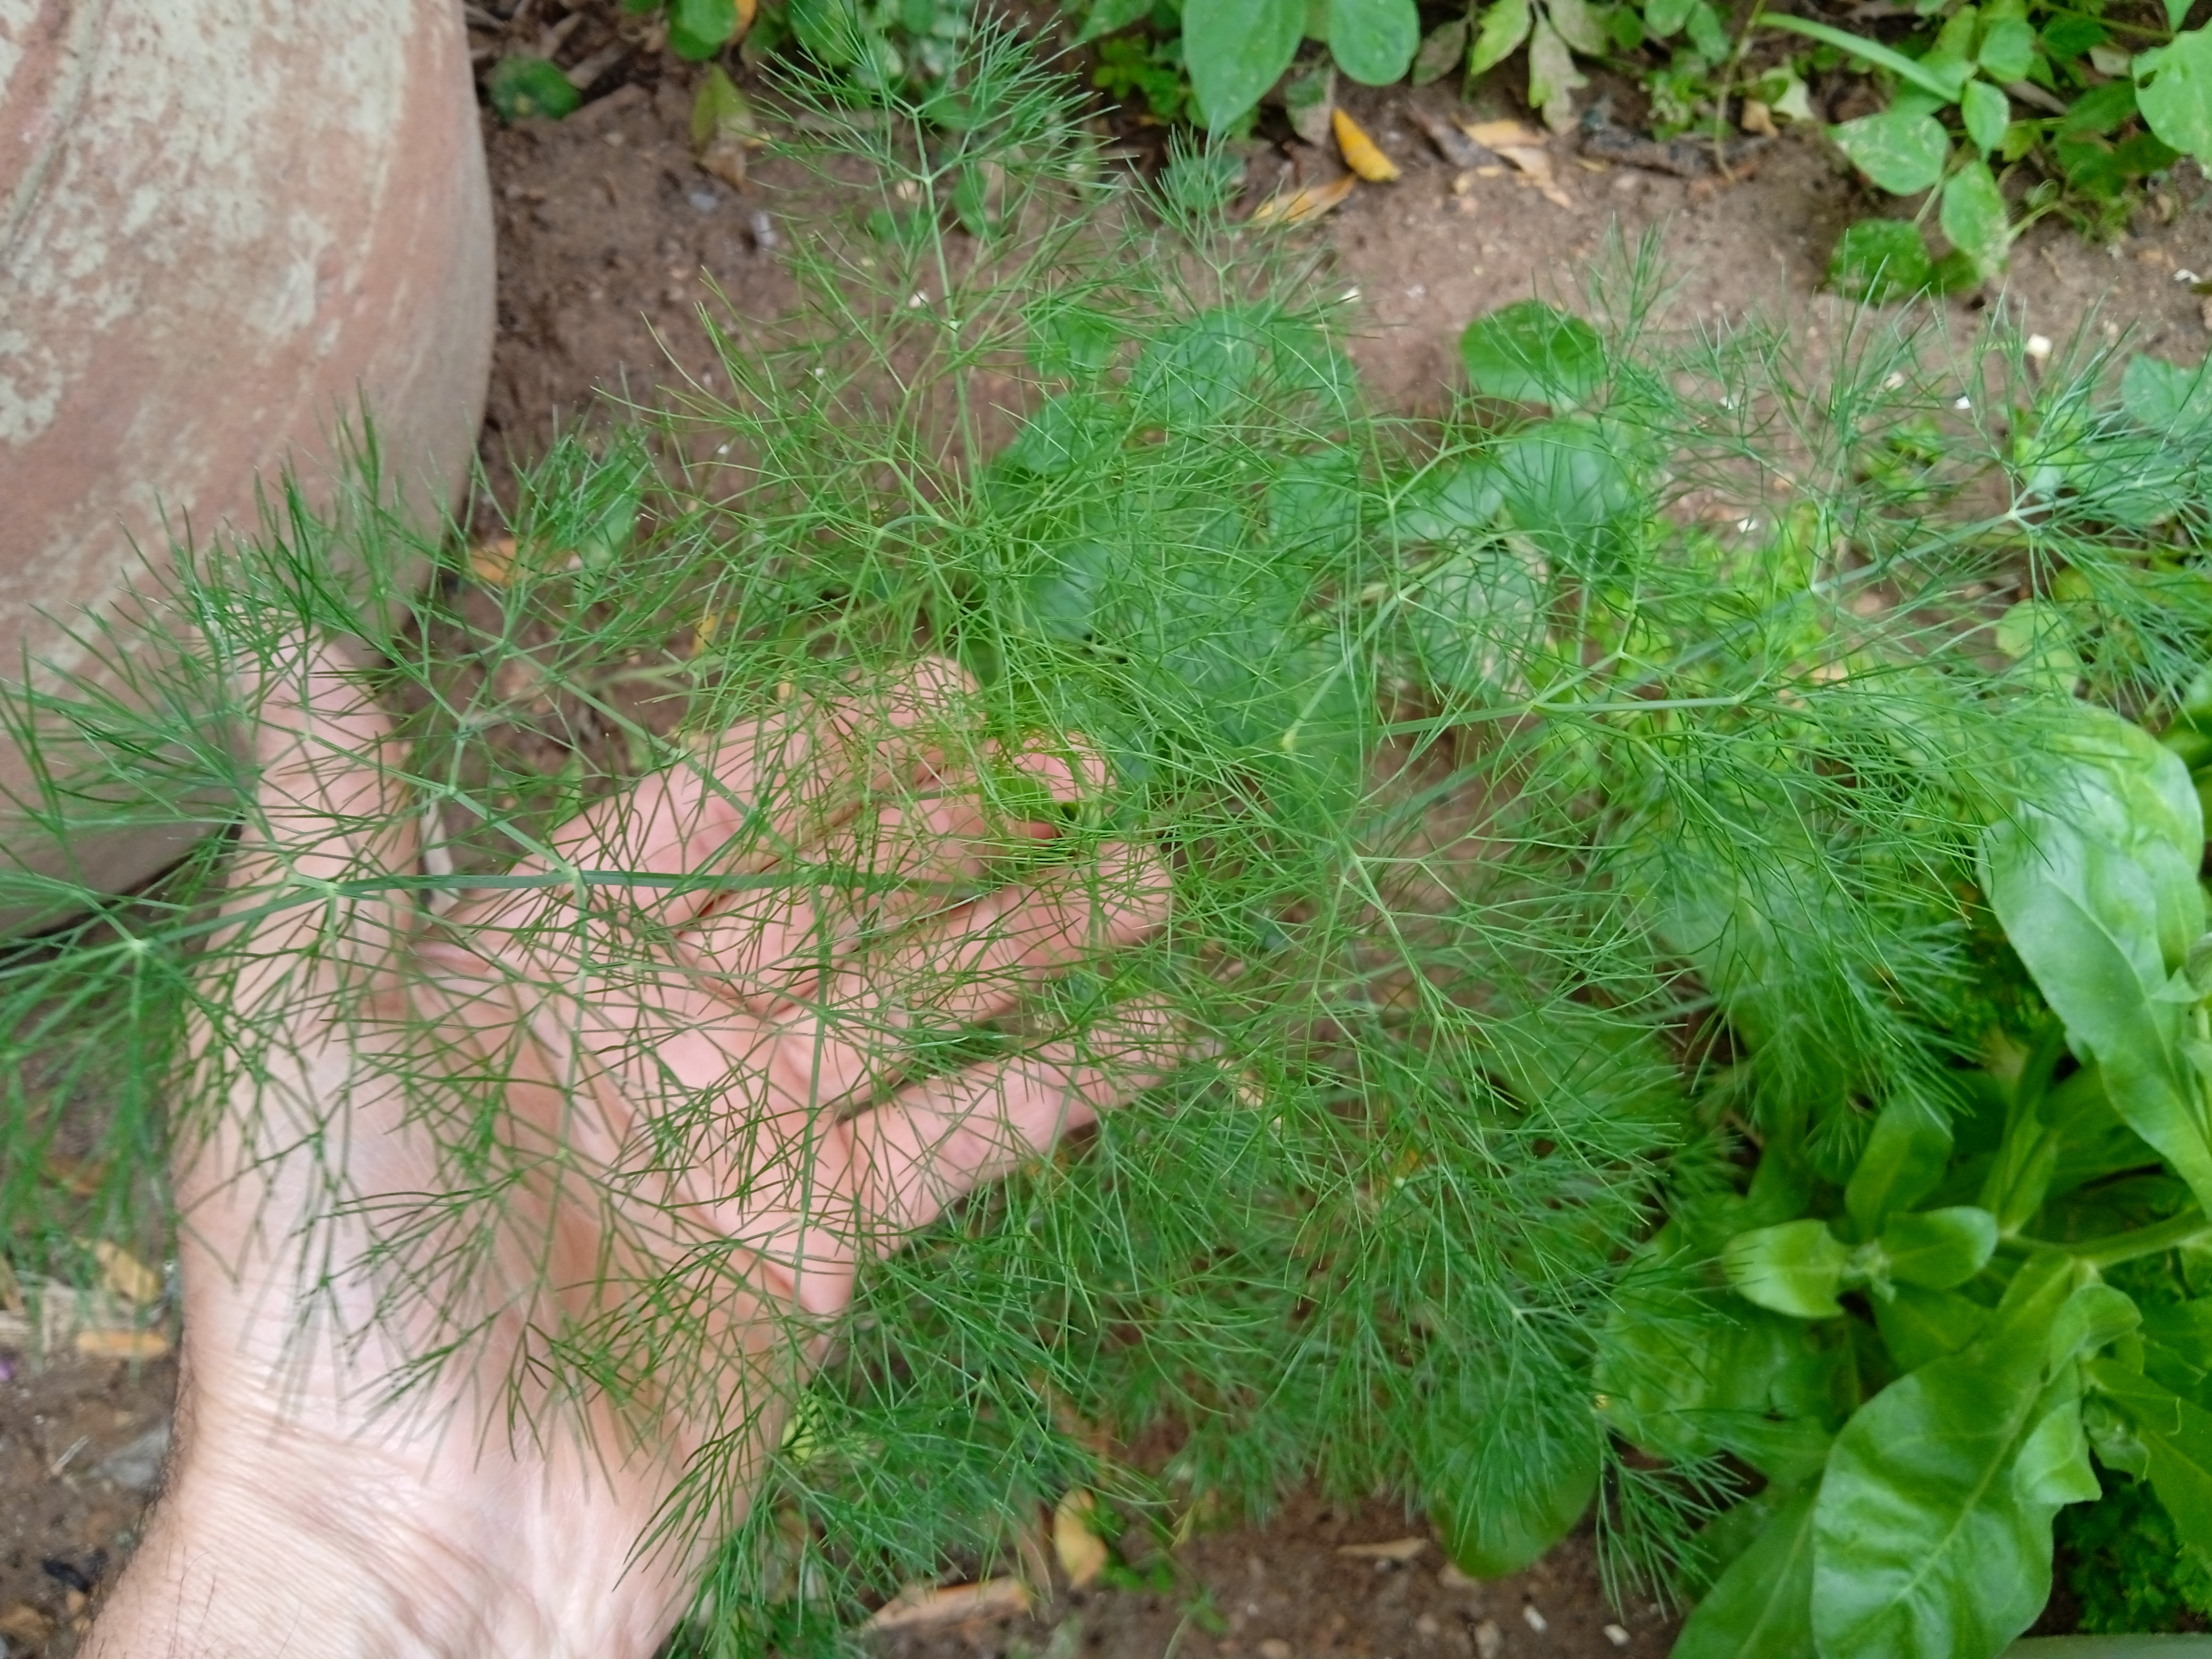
[937, 1141]
[764, 791]
[915, 859]
[329, 807]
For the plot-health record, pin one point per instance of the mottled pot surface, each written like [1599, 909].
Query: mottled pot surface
[229, 226]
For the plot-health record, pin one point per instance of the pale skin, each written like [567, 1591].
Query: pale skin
[297, 1516]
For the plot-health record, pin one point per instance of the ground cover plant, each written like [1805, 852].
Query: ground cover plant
[1643, 849]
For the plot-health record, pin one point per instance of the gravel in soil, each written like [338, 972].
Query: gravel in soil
[612, 238]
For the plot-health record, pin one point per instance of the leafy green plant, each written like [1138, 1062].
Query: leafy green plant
[871, 45]
[1539, 839]
[2128, 1572]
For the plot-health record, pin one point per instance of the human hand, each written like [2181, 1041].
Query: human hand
[590, 1165]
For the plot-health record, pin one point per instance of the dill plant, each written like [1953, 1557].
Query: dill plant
[1564, 796]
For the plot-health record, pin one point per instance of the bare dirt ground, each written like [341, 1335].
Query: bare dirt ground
[610, 238]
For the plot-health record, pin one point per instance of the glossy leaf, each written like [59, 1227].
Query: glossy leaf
[1374, 40]
[2176, 98]
[2177, 1435]
[1761, 1608]
[1925, 1545]
[2094, 1315]
[1796, 1269]
[1901, 150]
[1234, 50]
[2095, 882]
[1939, 1249]
[1903, 1159]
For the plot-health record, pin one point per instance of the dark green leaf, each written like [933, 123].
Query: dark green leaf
[1901, 150]
[1566, 490]
[1373, 41]
[1939, 1249]
[1664, 17]
[1918, 1325]
[1489, 1533]
[2184, 1326]
[1794, 1268]
[1476, 617]
[1529, 352]
[2094, 1316]
[1064, 432]
[520, 88]
[1108, 16]
[1878, 260]
[1762, 1606]
[1234, 50]
[697, 29]
[1904, 1159]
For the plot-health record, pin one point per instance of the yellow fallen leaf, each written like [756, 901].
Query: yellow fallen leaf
[125, 1274]
[747, 10]
[1300, 205]
[493, 561]
[121, 1345]
[1496, 135]
[1361, 153]
[1535, 165]
[702, 633]
[920, 1605]
[1082, 1551]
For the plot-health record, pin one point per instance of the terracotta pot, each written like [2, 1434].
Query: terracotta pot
[227, 228]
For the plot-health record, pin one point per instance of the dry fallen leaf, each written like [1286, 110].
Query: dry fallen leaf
[1392, 1549]
[1361, 153]
[493, 562]
[1301, 205]
[1496, 135]
[1534, 163]
[1759, 119]
[1082, 1551]
[920, 1605]
[125, 1274]
[116, 1343]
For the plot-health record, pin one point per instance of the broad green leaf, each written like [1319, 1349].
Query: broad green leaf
[1069, 342]
[1110, 16]
[1452, 502]
[1943, 82]
[1442, 48]
[2177, 12]
[2184, 1326]
[2007, 50]
[2169, 399]
[1722, 1540]
[1939, 1249]
[1566, 490]
[2178, 1435]
[1878, 260]
[1901, 151]
[2094, 882]
[2052, 1469]
[1504, 26]
[1196, 371]
[1918, 1326]
[1529, 352]
[1065, 432]
[1477, 616]
[1906, 1151]
[521, 88]
[1665, 17]
[1488, 1532]
[1374, 40]
[1708, 31]
[1578, 26]
[1794, 1268]
[1986, 113]
[1680, 1373]
[1924, 1546]
[2111, 1434]
[1974, 217]
[1552, 76]
[1761, 1608]
[719, 109]
[1234, 50]
[2094, 1315]
[697, 29]
[2175, 99]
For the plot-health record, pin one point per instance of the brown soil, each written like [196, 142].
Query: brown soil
[609, 238]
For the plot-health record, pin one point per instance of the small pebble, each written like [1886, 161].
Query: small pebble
[1275, 1648]
[2039, 347]
[1536, 1621]
[762, 229]
[1488, 1639]
[704, 200]
[1616, 1635]
[1427, 1625]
